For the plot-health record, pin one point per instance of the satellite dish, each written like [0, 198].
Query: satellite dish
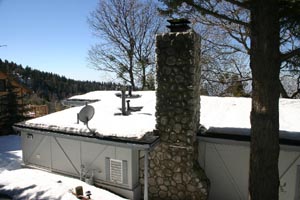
[86, 114]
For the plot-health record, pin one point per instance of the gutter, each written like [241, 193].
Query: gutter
[287, 140]
[138, 145]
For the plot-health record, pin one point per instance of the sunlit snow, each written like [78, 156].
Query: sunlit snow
[23, 183]
[216, 112]
[107, 120]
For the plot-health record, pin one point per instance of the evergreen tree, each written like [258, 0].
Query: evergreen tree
[235, 88]
[49, 88]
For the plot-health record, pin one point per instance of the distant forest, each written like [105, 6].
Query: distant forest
[51, 87]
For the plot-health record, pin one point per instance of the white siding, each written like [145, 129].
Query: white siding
[37, 149]
[227, 166]
[75, 157]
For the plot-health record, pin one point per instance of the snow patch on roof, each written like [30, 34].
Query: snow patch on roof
[233, 112]
[105, 121]
[225, 112]
[94, 95]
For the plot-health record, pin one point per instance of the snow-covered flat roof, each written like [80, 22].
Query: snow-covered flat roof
[107, 120]
[229, 118]
[233, 112]
[217, 113]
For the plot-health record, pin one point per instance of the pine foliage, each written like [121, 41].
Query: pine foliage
[49, 86]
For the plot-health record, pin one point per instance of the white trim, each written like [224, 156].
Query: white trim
[242, 143]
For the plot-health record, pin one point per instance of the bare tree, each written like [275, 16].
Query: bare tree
[220, 65]
[235, 43]
[126, 30]
[225, 61]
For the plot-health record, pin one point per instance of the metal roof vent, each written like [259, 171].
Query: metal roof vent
[129, 95]
[126, 110]
[179, 25]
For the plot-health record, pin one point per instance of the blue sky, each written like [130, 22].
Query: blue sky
[49, 35]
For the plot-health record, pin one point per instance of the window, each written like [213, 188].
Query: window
[2, 85]
[116, 171]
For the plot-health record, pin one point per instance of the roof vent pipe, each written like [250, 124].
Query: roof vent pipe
[128, 106]
[123, 103]
[130, 90]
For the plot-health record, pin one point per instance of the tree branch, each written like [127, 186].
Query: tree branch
[289, 54]
[238, 3]
[217, 15]
[298, 88]
[283, 91]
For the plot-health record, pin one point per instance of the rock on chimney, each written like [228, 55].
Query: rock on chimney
[174, 170]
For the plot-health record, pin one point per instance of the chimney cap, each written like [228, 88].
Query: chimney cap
[178, 24]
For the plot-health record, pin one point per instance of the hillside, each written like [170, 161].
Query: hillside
[49, 86]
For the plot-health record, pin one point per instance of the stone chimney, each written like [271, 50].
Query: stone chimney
[174, 172]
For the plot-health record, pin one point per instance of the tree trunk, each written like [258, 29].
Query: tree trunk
[265, 65]
[283, 91]
[144, 76]
[131, 73]
[131, 65]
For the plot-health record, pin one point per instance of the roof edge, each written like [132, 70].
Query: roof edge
[146, 143]
[243, 135]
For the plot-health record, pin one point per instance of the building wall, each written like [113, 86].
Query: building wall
[84, 159]
[36, 110]
[5, 83]
[5, 80]
[226, 164]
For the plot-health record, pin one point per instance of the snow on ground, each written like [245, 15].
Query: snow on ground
[10, 153]
[24, 184]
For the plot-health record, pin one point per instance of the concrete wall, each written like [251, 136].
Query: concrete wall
[226, 164]
[82, 159]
